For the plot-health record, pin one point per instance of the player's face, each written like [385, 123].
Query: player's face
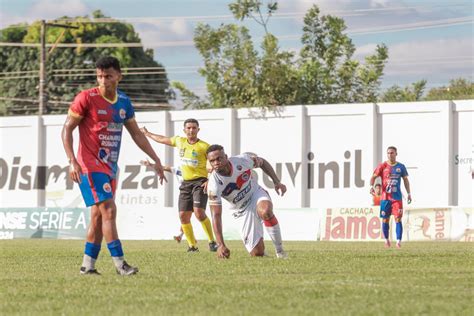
[108, 79]
[218, 160]
[391, 155]
[191, 130]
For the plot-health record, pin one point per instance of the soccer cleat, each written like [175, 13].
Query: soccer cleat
[84, 271]
[213, 246]
[193, 249]
[399, 244]
[387, 243]
[282, 255]
[126, 269]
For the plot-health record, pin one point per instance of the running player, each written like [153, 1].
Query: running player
[101, 113]
[391, 172]
[232, 180]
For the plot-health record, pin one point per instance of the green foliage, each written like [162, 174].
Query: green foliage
[458, 89]
[63, 83]
[407, 94]
[324, 72]
[41, 277]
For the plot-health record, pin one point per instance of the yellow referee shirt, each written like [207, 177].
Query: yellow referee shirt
[193, 157]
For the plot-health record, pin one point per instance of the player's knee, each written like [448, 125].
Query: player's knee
[386, 220]
[266, 214]
[398, 219]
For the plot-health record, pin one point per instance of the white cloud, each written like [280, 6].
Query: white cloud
[50, 9]
[438, 61]
[176, 30]
[46, 10]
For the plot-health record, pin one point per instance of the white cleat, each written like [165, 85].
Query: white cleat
[282, 255]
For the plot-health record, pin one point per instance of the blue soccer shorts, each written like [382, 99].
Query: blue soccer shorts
[97, 187]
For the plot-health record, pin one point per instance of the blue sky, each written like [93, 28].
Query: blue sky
[429, 39]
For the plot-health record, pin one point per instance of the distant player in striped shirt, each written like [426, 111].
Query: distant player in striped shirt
[392, 173]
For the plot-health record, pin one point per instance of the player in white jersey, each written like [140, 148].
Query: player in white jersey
[232, 180]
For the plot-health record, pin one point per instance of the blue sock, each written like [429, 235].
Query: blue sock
[385, 229]
[92, 250]
[115, 248]
[399, 231]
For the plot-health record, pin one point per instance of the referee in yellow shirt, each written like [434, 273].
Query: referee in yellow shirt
[193, 190]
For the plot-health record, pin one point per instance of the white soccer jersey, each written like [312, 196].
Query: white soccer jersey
[237, 188]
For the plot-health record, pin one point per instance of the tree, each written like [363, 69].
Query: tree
[458, 89]
[237, 75]
[408, 94]
[71, 70]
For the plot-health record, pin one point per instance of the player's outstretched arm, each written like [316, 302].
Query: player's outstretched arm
[222, 250]
[147, 163]
[144, 145]
[75, 169]
[280, 188]
[157, 138]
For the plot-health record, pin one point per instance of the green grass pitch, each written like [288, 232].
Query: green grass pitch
[41, 277]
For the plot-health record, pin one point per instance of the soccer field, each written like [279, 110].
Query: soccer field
[42, 277]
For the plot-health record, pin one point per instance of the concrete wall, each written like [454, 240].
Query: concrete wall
[325, 154]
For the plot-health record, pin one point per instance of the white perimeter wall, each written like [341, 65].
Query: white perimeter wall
[325, 154]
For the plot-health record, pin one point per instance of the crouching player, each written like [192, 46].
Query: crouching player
[232, 180]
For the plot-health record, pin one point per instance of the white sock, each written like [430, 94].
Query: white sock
[275, 234]
[118, 261]
[88, 262]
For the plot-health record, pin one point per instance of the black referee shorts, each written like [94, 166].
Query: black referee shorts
[191, 194]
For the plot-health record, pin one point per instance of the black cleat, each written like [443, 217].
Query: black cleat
[84, 271]
[213, 246]
[193, 249]
[126, 269]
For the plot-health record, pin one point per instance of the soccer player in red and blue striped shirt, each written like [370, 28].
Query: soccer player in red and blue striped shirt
[101, 113]
[391, 172]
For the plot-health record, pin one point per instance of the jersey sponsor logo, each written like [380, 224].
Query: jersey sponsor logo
[93, 94]
[104, 154]
[244, 177]
[114, 127]
[107, 187]
[122, 114]
[102, 124]
[242, 193]
[103, 112]
[189, 162]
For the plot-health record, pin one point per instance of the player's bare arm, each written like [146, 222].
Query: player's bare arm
[142, 142]
[216, 210]
[280, 188]
[372, 181]
[407, 187]
[75, 169]
[157, 138]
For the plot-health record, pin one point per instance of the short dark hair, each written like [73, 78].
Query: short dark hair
[392, 147]
[108, 62]
[377, 185]
[214, 148]
[191, 120]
